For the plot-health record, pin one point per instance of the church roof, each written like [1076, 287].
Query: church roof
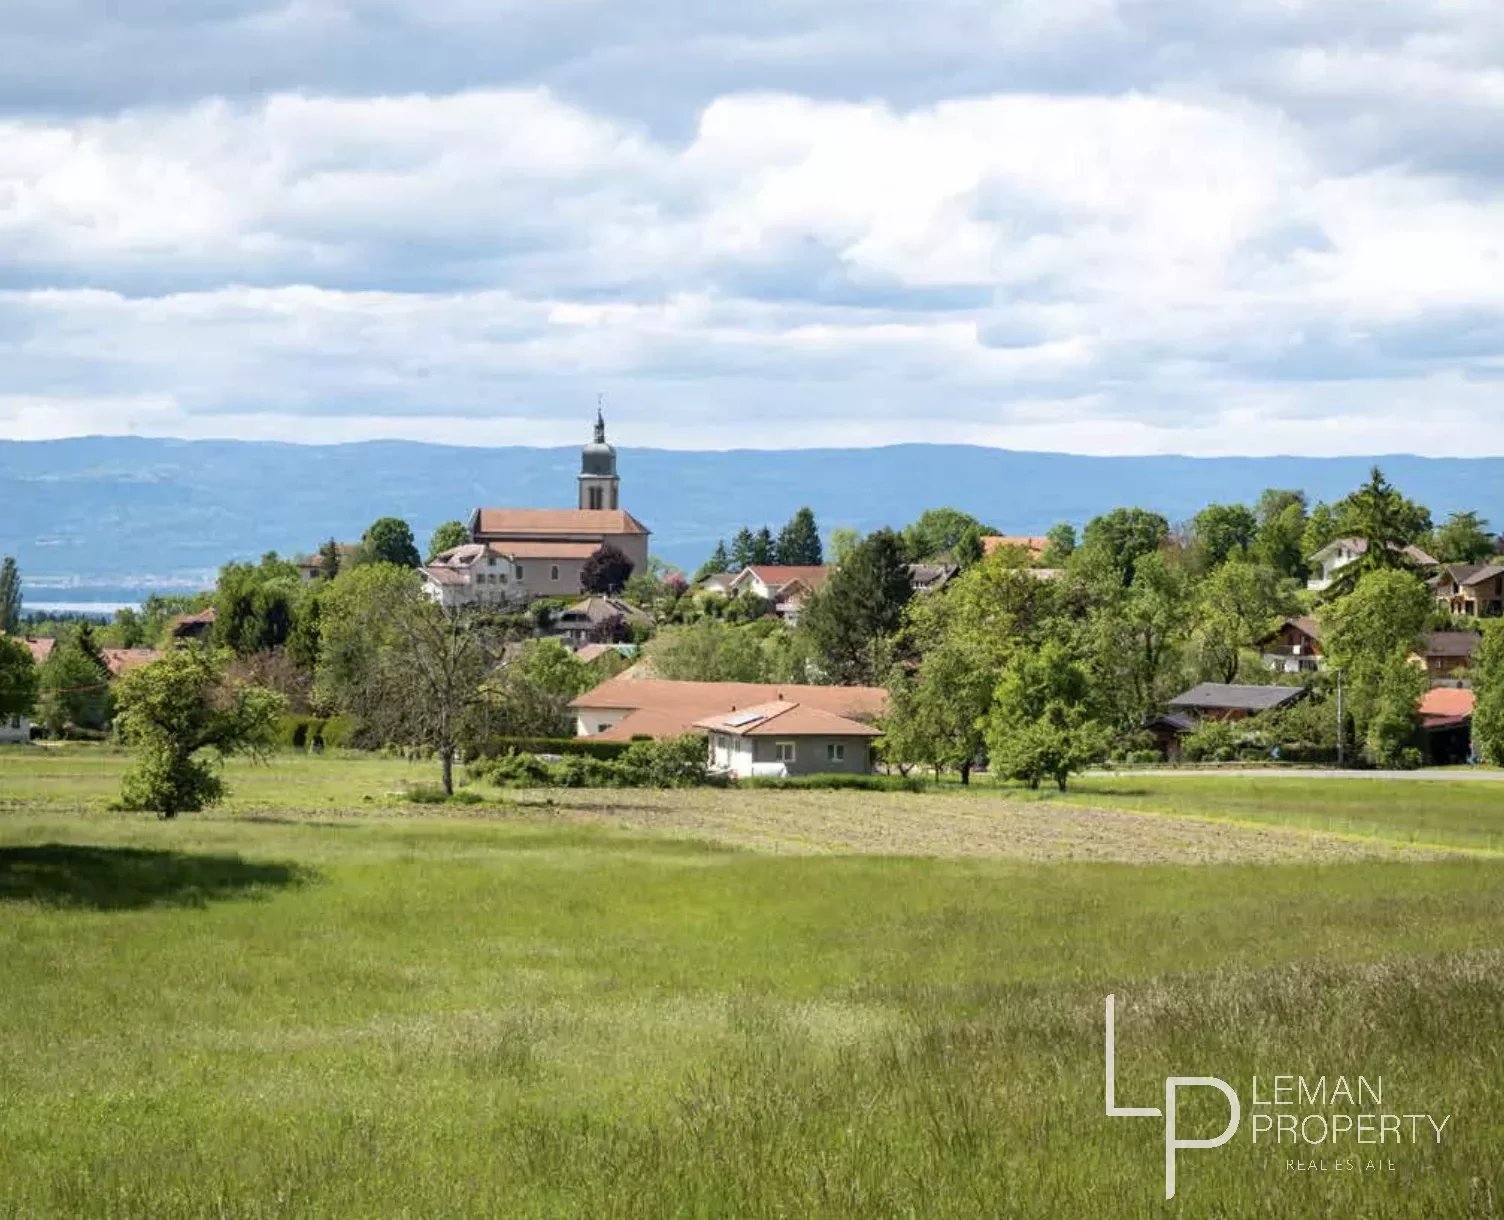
[497, 524]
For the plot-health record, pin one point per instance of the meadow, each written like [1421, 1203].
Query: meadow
[320, 1001]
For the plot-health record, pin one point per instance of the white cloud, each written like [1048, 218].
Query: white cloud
[1222, 247]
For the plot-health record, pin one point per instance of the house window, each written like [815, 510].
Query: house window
[784, 751]
[519, 571]
[553, 572]
[835, 751]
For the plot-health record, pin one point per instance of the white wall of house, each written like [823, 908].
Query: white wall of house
[589, 721]
[14, 730]
[1330, 564]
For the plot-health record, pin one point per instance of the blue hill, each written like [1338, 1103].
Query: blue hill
[116, 516]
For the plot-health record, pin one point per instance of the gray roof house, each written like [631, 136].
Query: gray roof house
[1231, 701]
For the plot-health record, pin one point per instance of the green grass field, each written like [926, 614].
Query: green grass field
[311, 1003]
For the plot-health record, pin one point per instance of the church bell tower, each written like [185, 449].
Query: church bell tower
[599, 485]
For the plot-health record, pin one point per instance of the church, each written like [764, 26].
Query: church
[517, 554]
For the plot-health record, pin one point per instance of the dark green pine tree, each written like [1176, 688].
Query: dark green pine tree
[10, 596]
[799, 541]
[763, 547]
[742, 549]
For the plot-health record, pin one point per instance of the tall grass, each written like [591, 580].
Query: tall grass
[388, 1017]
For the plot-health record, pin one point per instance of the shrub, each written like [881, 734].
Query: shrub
[342, 732]
[578, 771]
[672, 762]
[513, 771]
[497, 747]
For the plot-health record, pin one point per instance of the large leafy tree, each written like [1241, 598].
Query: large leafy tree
[1123, 537]
[1237, 605]
[1060, 544]
[1138, 640]
[448, 536]
[1368, 635]
[528, 695]
[1464, 537]
[413, 671]
[851, 619]
[1223, 531]
[75, 686]
[19, 679]
[936, 716]
[939, 531]
[1280, 543]
[256, 605]
[1488, 687]
[10, 596]
[606, 571]
[390, 540]
[798, 542]
[1041, 724]
[175, 710]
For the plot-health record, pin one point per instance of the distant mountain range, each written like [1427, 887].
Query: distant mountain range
[104, 518]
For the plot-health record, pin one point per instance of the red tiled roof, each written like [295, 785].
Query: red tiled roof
[661, 708]
[785, 719]
[41, 648]
[1033, 543]
[123, 660]
[775, 576]
[1445, 702]
[555, 522]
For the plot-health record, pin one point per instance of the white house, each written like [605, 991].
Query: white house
[14, 730]
[786, 738]
[1337, 554]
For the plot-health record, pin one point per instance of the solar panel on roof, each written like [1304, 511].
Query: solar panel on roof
[736, 722]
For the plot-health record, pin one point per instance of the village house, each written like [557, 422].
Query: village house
[1473, 590]
[1234, 701]
[193, 626]
[932, 577]
[787, 738]
[1337, 554]
[785, 588]
[1445, 722]
[627, 706]
[591, 620]
[518, 554]
[1293, 647]
[311, 567]
[1447, 656]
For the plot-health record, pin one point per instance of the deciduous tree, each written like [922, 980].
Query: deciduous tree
[19, 679]
[446, 537]
[606, 571]
[1488, 688]
[390, 540]
[174, 710]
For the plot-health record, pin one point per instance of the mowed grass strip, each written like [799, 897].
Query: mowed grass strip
[1436, 813]
[288, 1013]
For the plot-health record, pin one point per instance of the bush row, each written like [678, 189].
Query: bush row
[500, 747]
[675, 762]
[319, 733]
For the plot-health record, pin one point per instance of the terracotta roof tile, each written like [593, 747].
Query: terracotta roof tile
[785, 719]
[1446, 701]
[556, 522]
[663, 708]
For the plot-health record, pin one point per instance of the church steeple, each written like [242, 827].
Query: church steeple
[599, 485]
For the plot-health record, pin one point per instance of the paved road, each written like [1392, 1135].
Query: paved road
[1469, 775]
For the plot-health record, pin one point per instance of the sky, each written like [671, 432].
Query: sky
[1095, 226]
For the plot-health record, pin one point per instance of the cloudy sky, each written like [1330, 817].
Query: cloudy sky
[1108, 226]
